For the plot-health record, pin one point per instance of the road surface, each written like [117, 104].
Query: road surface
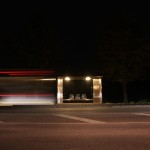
[71, 128]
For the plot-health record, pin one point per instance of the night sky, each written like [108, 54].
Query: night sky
[74, 31]
[74, 28]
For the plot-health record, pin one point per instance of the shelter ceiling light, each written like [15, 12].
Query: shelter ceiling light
[88, 78]
[67, 78]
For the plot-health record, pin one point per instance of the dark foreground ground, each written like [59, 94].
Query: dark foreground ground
[75, 127]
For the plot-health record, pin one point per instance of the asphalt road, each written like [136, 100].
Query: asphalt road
[103, 128]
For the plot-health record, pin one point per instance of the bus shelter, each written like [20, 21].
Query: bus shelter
[79, 89]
